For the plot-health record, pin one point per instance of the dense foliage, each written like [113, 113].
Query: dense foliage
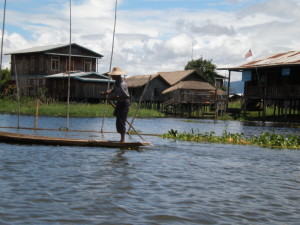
[4, 79]
[204, 67]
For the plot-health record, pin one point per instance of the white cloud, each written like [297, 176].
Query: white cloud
[148, 41]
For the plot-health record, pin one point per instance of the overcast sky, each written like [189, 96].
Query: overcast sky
[157, 35]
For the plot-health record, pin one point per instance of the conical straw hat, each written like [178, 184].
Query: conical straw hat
[116, 71]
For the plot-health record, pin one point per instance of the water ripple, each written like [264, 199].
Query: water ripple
[169, 182]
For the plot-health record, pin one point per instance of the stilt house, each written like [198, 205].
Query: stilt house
[272, 80]
[33, 64]
[172, 88]
[147, 88]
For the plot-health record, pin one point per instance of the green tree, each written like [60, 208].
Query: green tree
[204, 67]
[4, 78]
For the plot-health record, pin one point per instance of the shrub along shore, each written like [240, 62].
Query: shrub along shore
[28, 106]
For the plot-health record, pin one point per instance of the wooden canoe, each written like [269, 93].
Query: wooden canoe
[43, 140]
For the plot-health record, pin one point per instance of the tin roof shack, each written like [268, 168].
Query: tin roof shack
[272, 80]
[148, 88]
[33, 64]
[84, 86]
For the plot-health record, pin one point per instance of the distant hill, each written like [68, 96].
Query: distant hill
[237, 87]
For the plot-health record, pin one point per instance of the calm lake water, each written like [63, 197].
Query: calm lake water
[169, 182]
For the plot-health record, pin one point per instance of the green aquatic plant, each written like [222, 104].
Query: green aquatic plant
[270, 140]
[276, 140]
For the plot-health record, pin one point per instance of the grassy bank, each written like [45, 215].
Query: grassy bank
[28, 107]
[269, 140]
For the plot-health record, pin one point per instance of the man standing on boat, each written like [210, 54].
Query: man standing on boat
[119, 92]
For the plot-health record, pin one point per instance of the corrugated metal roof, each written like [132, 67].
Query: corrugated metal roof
[279, 59]
[94, 80]
[81, 76]
[37, 49]
[190, 85]
[49, 48]
[220, 77]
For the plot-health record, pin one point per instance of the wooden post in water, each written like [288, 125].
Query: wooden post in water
[216, 105]
[36, 113]
[264, 109]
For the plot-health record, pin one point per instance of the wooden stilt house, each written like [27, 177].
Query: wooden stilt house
[33, 64]
[147, 89]
[173, 89]
[272, 81]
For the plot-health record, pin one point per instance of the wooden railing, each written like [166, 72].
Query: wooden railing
[195, 98]
[272, 92]
[190, 98]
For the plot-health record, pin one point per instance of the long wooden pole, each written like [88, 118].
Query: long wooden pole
[128, 123]
[3, 28]
[110, 64]
[18, 91]
[69, 72]
[138, 107]
[228, 90]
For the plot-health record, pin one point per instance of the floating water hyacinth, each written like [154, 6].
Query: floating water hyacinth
[268, 139]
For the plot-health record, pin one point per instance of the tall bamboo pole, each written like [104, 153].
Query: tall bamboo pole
[140, 101]
[69, 72]
[110, 64]
[3, 28]
[18, 91]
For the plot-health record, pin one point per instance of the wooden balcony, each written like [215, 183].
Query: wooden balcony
[273, 92]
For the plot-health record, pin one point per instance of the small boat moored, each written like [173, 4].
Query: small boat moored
[9, 137]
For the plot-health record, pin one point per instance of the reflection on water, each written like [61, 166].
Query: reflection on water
[170, 182]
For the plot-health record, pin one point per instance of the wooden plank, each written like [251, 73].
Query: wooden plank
[44, 140]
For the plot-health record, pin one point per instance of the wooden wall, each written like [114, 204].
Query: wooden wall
[153, 92]
[40, 63]
[57, 88]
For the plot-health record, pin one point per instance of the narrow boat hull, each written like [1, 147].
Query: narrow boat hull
[43, 140]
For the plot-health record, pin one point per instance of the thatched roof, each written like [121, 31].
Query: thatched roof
[171, 78]
[139, 80]
[190, 85]
[176, 76]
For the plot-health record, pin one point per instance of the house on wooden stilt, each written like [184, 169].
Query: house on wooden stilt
[179, 92]
[272, 81]
[31, 65]
[147, 89]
